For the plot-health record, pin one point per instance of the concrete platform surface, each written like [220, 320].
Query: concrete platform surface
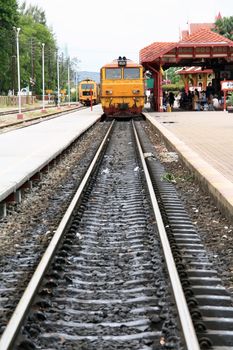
[23, 152]
[204, 140]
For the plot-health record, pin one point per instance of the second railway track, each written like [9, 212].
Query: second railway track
[108, 286]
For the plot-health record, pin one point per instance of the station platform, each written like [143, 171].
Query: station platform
[25, 151]
[204, 141]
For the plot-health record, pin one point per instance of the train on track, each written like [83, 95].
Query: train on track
[89, 92]
[122, 88]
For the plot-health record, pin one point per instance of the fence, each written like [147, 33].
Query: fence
[13, 100]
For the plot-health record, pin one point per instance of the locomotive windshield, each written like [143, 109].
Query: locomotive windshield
[113, 73]
[87, 86]
[131, 73]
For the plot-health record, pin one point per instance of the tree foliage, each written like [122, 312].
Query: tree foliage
[8, 19]
[175, 88]
[8, 13]
[37, 14]
[33, 32]
[224, 26]
[170, 74]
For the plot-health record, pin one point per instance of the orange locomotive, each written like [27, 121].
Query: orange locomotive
[88, 89]
[122, 88]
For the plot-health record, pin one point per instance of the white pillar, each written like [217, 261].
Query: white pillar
[43, 90]
[68, 82]
[76, 85]
[20, 115]
[58, 83]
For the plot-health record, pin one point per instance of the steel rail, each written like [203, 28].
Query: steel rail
[38, 119]
[184, 315]
[15, 111]
[20, 313]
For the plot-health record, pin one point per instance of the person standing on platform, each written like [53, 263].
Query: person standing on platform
[216, 104]
[152, 101]
[209, 93]
[55, 100]
[171, 99]
[196, 101]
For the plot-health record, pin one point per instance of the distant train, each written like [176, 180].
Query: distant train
[122, 88]
[88, 92]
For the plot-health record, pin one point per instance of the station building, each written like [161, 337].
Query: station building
[195, 77]
[207, 54]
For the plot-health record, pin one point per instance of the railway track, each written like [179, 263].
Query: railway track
[103, 282]
[15, 111]
[34, 119]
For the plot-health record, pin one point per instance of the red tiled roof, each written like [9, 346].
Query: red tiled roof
[207, 37]
[194, 27]
[155, 50]
[202, 37]
[184, 34]
[193, 70]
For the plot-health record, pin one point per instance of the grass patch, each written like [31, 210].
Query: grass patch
[169, 177]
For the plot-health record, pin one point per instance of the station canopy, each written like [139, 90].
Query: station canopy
[199, 46]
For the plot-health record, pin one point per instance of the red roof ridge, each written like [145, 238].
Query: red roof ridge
[162, 43]
[202, 37]
[159, 48]
[194, 27]
[205, 35]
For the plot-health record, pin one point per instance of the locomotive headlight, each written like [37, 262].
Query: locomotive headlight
[135, 91]
[108, 92]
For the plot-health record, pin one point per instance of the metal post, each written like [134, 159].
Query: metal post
[224, 103]
[43, 91]
[58, 83]
[91, 92]
[19, 115]
[160, 87]
[68, 82]
[76, 85]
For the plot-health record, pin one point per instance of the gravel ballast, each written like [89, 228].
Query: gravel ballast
[215, 229]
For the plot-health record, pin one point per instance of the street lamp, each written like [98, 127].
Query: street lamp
[58, 83]
[43, 97]
[14, 63]
[68, 82]
[76, 62]
[20, 114]
[76, 85]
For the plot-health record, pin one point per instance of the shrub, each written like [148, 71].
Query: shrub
[230, 99]
[175, 88]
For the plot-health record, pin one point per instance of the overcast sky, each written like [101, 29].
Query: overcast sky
[98, 31]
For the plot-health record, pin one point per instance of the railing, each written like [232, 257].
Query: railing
[13, 100]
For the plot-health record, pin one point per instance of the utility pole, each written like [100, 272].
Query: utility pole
[13, 67]
[76, 85]
[19, 115]
[58, 82]
[43, 92]
[32, 65]
[68, 81]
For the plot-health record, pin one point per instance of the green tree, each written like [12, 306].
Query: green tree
[224, 26]
[35, 12]
[171, 75]
[34, 32]
[8, 20]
